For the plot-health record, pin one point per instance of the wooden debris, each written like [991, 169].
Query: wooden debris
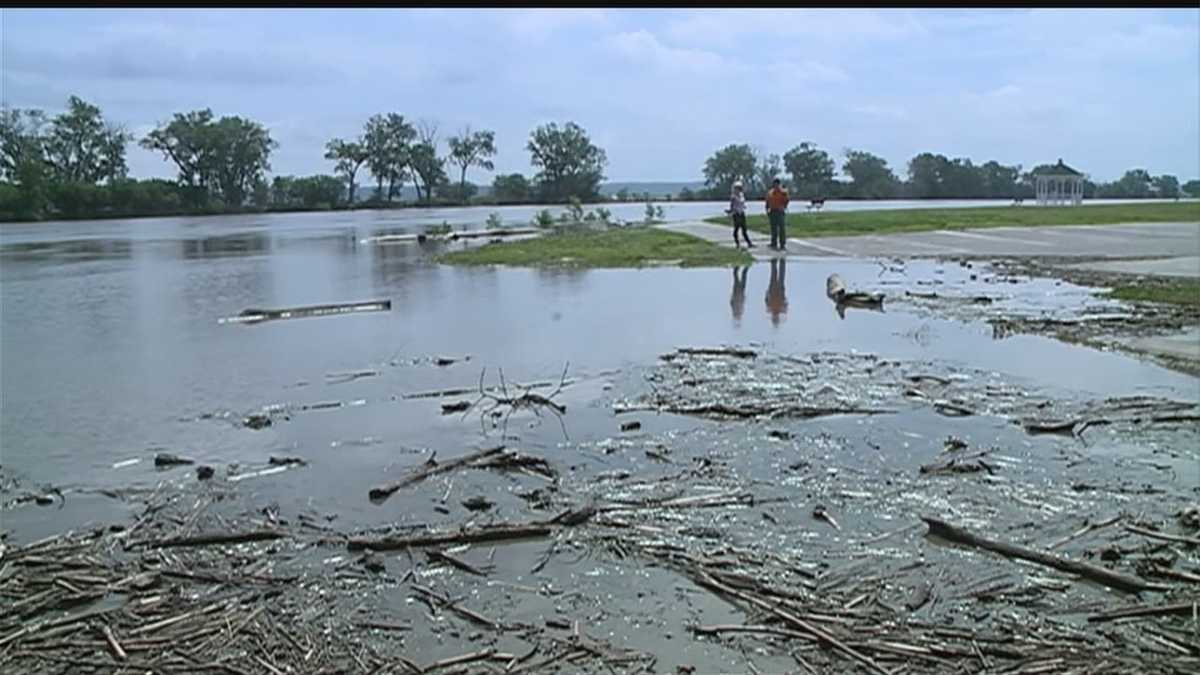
[1162, 536]
[1101, 575]
[1191, 609]
[418, 475]
[166, 459]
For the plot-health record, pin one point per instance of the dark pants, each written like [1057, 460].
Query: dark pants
[739, 223]
[778, 231]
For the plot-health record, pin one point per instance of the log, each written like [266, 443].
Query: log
[1181, 609]
[501, 532]
[215, 538]
[1098, 574]
[717, 351]
[384, 491]
[256, 315]
[1162, 536]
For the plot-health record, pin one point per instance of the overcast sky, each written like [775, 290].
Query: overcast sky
[1106, 90]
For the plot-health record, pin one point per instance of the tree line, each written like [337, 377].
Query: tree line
[73, 165]
[809, 172]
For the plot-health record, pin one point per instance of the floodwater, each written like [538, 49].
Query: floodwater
[112, 350]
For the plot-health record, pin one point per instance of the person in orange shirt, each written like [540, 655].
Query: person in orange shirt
[777, 201]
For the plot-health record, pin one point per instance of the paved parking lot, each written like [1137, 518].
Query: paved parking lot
[1128, 240]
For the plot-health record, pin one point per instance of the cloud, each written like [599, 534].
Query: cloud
[871, 110]
[541, 24]
[770, 26]
[644, 49]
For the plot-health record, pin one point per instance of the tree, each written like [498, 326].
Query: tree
[223, 158]
[349, 157]
[387, 140]
[240, 155]
[1192, 188]
[1000, 181]
[472, 149]
[511, 187]
[926, 176]
[729, 164]
[429, 172]
[82, 148]
[811, 170]
[768, 169]
[870, 176]
[20, 140]
[570, 164]
[1166, 187]
[184, 142]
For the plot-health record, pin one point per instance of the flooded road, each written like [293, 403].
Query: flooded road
[112, 351]
[115, 347]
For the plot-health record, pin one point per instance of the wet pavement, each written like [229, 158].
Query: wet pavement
[1130, 240]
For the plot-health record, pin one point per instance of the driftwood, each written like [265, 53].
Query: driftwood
[712, 351]
[525, 400]
[1182, 609]
[214, 539]
[1162, 536]
[432, 468]
[258, 315]
[1095, 573]
[498, 532]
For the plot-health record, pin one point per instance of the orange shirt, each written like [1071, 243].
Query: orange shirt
[777, 199]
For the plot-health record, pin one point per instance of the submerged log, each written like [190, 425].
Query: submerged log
[255, 315]
[1098, 574]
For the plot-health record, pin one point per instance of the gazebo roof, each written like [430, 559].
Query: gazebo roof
[1060, 169]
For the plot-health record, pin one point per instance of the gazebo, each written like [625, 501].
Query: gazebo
[1059, 184]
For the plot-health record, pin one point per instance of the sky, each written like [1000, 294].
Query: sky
[659, 90]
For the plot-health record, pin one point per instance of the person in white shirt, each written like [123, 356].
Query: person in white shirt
[737, 208]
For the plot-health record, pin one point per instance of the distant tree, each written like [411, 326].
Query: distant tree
[1000, 181]
[350, 156]
[623, 194]
[811, 170]
[472, 149]
[926, 176]
[686, 194]
[1166, 187]
[569, 164]
[767, 169]
[869, 175]
[511, 187]
[387, 140]
[727, 165]
[82, 148]
[1135, 184]
[224, 158]
[1192, 188]
[21, 141]
[429, 171]
[457, 192]
[184, 141]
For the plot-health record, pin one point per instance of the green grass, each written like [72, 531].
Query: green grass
[1185, 292]
[850, 223]
[632, 247]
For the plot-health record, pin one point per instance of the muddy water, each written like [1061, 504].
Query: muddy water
[112, 350]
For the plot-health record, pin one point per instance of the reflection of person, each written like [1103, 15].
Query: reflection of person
[777, 202]
[737, 209]
[737, 299]
[776, 300]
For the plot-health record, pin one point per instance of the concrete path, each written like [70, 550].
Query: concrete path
[1128, 240]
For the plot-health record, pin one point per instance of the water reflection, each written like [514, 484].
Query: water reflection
[776, 298]
[737, 299]
[75, 250]
[224, 246]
